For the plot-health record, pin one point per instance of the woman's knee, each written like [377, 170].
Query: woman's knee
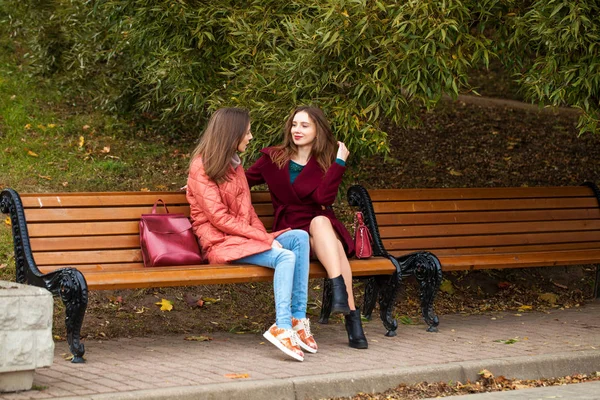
[320, 224]
[286, 258]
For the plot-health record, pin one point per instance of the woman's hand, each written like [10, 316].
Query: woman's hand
[276, 245]
[342, 152]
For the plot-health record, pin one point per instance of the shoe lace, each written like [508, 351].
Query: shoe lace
[294, 338]
[306, 323]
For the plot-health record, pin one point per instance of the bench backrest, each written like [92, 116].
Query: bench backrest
[466, 228]
[93, 230]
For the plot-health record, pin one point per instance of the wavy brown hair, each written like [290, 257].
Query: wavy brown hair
[324, 147]
[220, 140]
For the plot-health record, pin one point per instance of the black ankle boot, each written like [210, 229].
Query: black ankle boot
[356, 335]
[339, 304]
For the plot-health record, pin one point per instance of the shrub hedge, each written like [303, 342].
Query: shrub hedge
[364, 62]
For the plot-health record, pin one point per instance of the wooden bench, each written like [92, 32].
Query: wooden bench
[485, 228]
[70, 243]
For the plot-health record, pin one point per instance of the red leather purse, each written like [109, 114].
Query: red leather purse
[362, 237]
[167, 239]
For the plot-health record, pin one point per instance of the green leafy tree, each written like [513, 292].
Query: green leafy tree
[365, 62]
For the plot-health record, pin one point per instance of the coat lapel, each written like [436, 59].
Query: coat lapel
[308, 180]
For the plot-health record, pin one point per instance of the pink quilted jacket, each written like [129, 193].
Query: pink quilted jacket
[223, 217]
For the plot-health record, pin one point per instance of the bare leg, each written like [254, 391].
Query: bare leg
[330, 252]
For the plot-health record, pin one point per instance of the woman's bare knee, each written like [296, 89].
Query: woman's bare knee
[320, 224]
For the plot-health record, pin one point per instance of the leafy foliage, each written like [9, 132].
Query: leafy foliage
[365, 62]
[558, 43]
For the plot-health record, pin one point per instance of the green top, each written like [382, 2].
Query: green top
[296, 168]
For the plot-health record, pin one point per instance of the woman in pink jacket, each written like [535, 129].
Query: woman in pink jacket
[229, 229]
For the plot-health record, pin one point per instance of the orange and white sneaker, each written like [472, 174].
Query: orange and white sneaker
[307, 340]
[286, 340]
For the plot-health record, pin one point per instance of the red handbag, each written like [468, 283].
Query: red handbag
[168, 239]
[362, 237]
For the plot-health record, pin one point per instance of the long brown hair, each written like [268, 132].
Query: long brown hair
[220, 140]
[324, 147]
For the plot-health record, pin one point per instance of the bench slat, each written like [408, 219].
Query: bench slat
[114, 199]
[111, 213]
[487, 216]
[559, 227]
[517, 260]
[477, 205]
[433, 243]
[478, 193]
[505, 249]
[38, 230]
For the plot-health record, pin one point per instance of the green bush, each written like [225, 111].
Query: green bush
[364, 62]
[558, 46]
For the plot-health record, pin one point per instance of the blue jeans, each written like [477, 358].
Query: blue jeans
[290, 283]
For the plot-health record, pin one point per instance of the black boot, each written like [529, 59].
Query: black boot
[339, 303]
[356, 335]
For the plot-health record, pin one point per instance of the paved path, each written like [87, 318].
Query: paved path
[560, 342]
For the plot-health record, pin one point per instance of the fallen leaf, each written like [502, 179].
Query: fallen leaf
[405, 320]
[447, 287]
[51, 126]
[141, 310]
[3, 266]
[504, 285]
[65, 184]
[7, 221]
[198, 338]
[210, 300]
[105, 150]
[81, 141]
[484, 373]
[85, 127]
[32, 154]
[144, 190]
[525, 308]
[27, 127]
[165, 305]
[559, 285]
[46, 177]
[549, 297]
[454, 172]
[237, 376]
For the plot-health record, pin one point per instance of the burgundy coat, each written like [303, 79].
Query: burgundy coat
[312, 194]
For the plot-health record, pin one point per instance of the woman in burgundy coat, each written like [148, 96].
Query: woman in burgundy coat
[303, 175]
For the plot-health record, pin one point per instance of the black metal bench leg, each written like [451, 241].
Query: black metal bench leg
[428, 273]
[326, 304]
[388, 291]
[70, 285]
[370, 298]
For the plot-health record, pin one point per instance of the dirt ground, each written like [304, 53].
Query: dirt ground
[459, 145]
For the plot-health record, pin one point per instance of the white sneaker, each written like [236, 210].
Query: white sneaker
[286, 340]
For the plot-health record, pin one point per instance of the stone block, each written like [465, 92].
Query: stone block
[44, 345]
[25, 334]
[9, 312]
[35, 312]
[19, 350]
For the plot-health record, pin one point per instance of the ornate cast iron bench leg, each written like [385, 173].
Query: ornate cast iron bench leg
[326, 304]
[68, 283]
[370, 297]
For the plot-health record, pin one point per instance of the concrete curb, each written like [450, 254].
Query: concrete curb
[348, 384]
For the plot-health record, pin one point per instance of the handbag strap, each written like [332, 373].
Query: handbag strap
[164, 205]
